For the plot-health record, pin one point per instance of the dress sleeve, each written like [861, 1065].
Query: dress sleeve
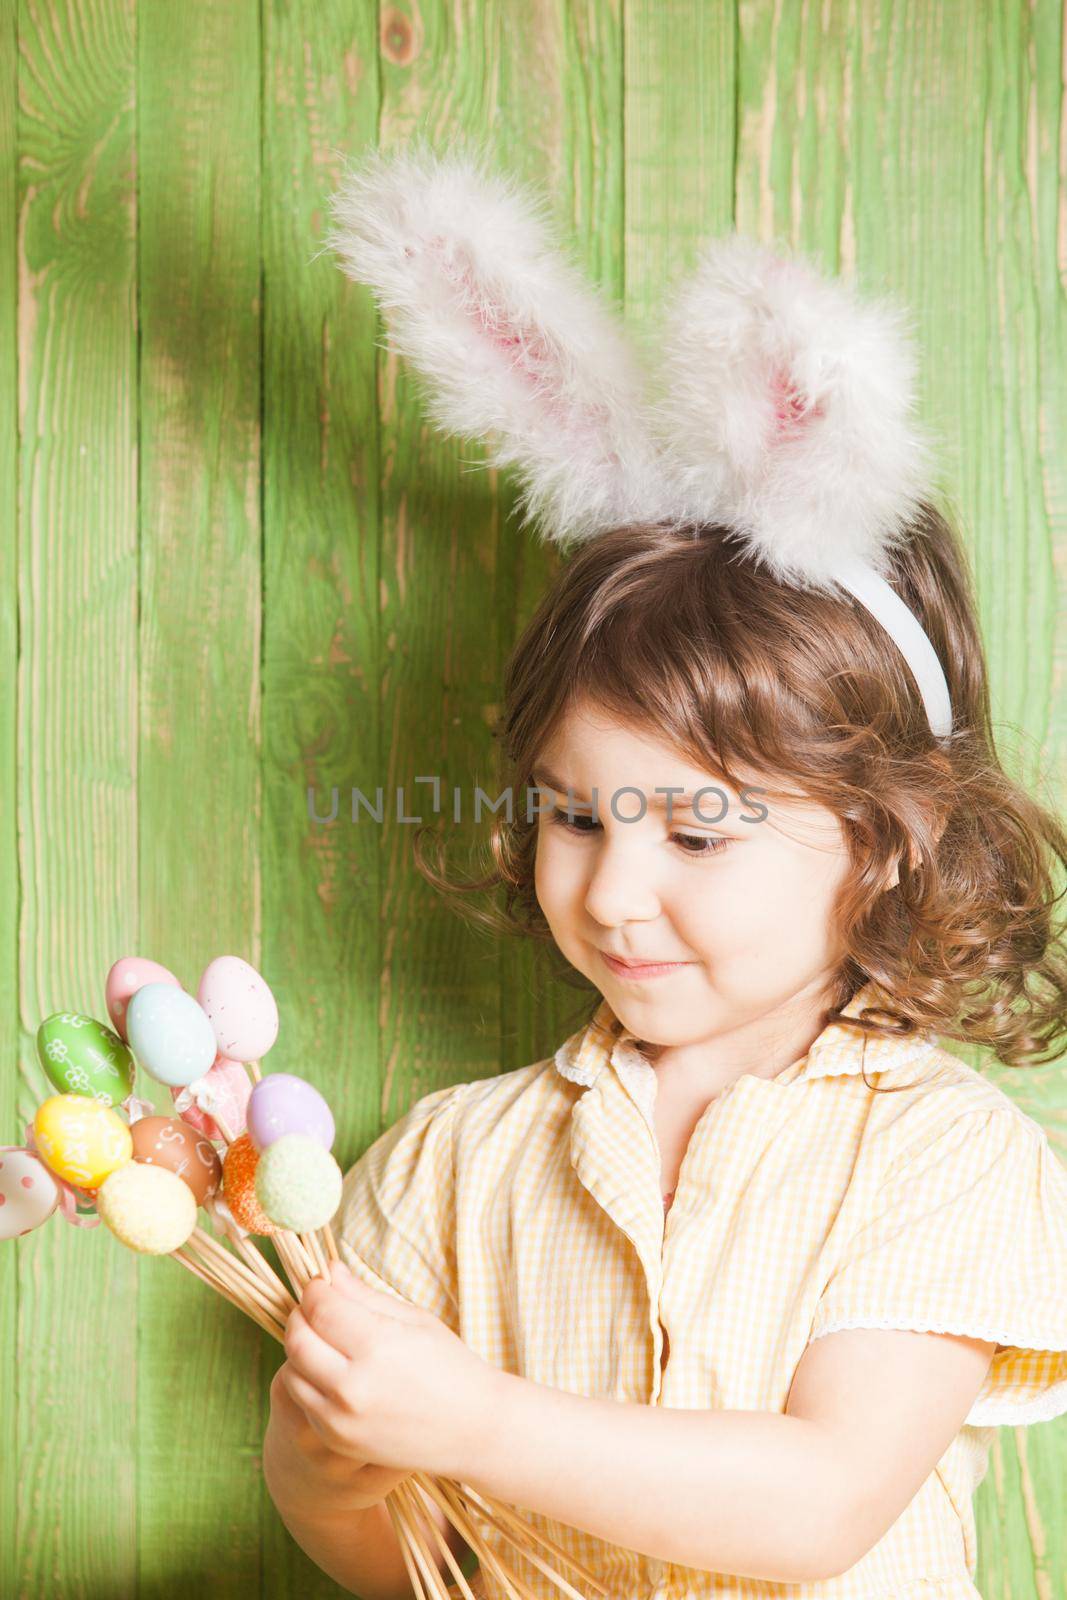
[395, 1225]
[968, 1234]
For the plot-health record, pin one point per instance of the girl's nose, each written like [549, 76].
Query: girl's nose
[621, 888]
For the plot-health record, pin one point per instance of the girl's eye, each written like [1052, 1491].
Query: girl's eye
[703, 844]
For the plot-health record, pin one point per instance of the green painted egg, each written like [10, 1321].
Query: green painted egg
[82, 1056]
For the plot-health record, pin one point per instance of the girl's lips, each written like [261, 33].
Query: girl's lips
[641, 969]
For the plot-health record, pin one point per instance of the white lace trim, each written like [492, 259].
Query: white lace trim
[991, 1410]
[639, 1076]
[634, 1070]
[571, 1069]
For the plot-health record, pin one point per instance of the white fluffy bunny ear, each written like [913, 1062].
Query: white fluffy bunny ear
[786, 411]
[515, 347]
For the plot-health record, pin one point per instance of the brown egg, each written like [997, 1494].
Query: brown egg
[169, 1142]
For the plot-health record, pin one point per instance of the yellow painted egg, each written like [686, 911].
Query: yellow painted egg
[81, 1140]
[148, 1208]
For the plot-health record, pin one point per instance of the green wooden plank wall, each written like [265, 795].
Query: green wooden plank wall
[236, 561]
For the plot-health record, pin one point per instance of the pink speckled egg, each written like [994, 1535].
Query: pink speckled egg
[241, 1007]
[129, 974]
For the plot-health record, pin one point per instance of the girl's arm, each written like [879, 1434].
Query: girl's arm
[792, 1497]
[333, 1506]
[359, 1549]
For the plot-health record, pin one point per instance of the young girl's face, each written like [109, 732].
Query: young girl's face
[743, 906]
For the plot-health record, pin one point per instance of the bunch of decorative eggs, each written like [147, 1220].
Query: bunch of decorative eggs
[145, 1175]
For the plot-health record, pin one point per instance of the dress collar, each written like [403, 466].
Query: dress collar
[838, 1050]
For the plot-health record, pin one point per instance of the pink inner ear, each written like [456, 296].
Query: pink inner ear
[524, 349]
[522, 346]
[791, 415]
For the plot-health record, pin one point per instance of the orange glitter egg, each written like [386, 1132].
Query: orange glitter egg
[239, 1186]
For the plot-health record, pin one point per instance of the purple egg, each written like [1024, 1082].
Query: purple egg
[282, 1103]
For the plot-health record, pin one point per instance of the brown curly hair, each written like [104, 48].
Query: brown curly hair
[682, 634]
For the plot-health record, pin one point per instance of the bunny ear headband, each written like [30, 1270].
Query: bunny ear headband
[785, 402]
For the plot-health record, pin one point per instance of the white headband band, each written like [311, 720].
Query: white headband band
[903, 626]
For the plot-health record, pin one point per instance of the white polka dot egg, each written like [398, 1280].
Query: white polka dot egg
[28, 1193]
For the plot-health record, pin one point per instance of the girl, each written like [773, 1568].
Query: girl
[729, 1292]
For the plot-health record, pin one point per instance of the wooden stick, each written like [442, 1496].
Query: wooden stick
[518, 1533]
[423, 1552]
[446, 1550]
[265, 1322]
[301, 1263]
[223, 1128]
[232, 1272]
[330, 1242]
[294, 1263]
[210, 1268]
[423, 1555]
[306, 1256]
[286, 1259]
[302, 1240]
[295, 1250]
[259, 1264]
[444, 1493]
[211, 1247]
[226, 1261]
[244, 1283]
[400, 1530]
[262, 1267]
[498, 1511]
[323, 1255]
[315, 1251]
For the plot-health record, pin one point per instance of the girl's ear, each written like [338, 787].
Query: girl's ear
[894, 879]
[513, 345]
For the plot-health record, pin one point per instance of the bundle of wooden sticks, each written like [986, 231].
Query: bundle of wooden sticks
[245, 1277]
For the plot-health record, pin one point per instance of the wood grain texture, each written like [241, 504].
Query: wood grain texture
[321, 632]
[201, 1369]
[78, 1317]
[9, 867]
[238, 561]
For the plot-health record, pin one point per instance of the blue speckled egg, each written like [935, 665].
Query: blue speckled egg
[170, 1034]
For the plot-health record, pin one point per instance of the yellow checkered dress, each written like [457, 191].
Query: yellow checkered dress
[525, 1211]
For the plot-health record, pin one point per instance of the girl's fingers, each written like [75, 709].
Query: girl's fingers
[315, 1357]
[318, 1410]
[302, 1393]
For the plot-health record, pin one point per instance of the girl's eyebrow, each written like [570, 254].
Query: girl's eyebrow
[678, 801]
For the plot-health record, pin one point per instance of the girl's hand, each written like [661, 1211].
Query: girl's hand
[304, 1476]
[384, 1381]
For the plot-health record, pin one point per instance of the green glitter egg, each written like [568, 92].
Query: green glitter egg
[298, 1183]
